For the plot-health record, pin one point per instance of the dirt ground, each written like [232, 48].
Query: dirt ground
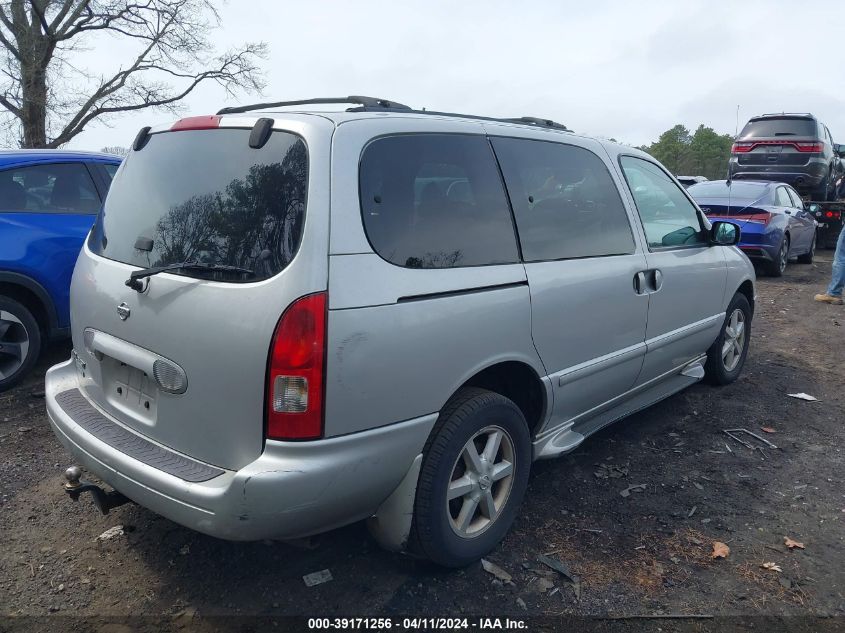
[648, 553]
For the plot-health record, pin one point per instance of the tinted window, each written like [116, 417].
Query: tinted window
[669, 218]
[565, 202]
[781, 126]
[207, 196]
[782, 198]
[796, 199]
[62, 188]
[719, 189]
[110, 170]
[435, 201]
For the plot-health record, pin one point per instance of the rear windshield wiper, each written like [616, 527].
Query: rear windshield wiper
[134, 280]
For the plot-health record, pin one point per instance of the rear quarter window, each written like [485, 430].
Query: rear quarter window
[207, 196]
[435, 201]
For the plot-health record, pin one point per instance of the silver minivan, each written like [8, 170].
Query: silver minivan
[287, 321]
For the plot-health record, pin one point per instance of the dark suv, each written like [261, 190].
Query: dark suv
[793, 148]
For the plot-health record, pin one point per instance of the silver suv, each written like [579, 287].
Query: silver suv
[289, 321]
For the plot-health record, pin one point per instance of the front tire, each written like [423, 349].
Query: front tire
[20, 342]
[807, 258]
[472, 480]
[726, 357]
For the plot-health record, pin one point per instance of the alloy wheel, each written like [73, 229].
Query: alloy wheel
[783, 256]
[14, 344]
[734, 341]
[481, 481]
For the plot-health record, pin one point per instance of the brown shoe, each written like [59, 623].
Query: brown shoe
[826, 298]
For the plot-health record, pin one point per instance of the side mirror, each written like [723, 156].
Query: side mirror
[724, 234]
[839, 149]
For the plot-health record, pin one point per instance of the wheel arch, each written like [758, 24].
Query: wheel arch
[33, 296]
[519, 382]
[746, 288]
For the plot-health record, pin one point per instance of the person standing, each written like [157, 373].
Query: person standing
[837, 281]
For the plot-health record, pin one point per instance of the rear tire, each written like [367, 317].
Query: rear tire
[461, 486]
[20, 342]
[807, 258]
[776, 267]
[726, 357]
[822, 192]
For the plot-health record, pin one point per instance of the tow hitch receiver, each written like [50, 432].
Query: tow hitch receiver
[103, 499]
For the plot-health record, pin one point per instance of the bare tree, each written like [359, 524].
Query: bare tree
[48, 101]
[116, 150]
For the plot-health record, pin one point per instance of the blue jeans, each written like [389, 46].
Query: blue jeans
[837, 281]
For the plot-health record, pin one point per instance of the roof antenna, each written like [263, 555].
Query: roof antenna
[730, 178]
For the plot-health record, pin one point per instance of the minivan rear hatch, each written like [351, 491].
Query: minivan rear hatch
[182, 359]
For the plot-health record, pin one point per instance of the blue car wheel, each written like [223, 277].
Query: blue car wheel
[20, 342]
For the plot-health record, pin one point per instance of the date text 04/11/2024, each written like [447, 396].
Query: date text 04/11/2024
[481, 624]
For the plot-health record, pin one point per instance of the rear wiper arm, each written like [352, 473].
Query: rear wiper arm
[135, 277]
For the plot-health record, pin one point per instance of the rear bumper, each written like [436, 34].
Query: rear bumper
[293, 489]
[807, 176]
[756, 253]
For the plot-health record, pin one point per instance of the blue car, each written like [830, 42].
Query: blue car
[48, 202]
[775, 225]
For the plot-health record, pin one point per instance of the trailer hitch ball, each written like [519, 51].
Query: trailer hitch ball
[104, 500]
[73, 475]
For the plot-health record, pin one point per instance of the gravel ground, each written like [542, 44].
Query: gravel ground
[645, 554]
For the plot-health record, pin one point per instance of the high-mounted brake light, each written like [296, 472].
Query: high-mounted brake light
[207, 122]
[295, 371]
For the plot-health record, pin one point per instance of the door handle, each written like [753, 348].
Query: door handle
[640, 283]
[648, 281]
[658, 279]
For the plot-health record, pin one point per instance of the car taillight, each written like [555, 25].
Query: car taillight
[809, 147]
[741, 148]
[295, 371]
[832, 214]
[207, 122]
[759, 218]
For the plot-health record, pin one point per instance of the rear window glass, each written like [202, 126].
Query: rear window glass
[206, 196]
[738, 190]
[435, 201]
[779, 127]
[565, 202]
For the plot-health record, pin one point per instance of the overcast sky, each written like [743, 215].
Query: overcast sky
[627, 70]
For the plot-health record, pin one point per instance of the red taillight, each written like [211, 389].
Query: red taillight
[758, 218]
[832, 214]
[743, 147]
[207, 122]
[295, 372]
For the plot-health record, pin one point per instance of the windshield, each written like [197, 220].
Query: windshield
[720, 189]
[206, 196]
[785, 126]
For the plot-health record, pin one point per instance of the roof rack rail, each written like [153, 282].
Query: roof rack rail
[531, 120]
[525, 120]
[807, 114]
[367, 102]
